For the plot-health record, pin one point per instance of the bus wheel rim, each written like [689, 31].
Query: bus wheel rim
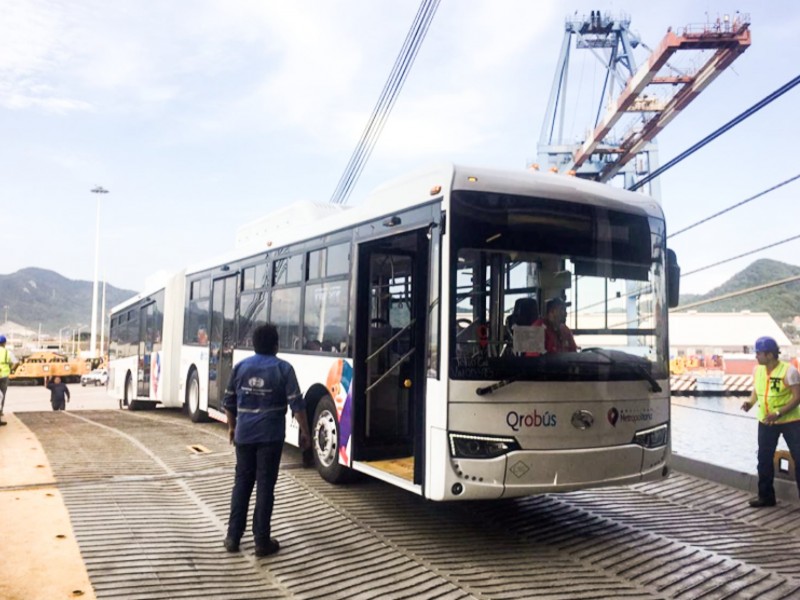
[326, 438]
[194, 396]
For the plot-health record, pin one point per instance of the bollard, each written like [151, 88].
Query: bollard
[784, 465]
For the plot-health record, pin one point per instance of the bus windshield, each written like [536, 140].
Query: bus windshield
[513, 255]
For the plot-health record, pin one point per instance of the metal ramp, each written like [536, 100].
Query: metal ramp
[149, 515]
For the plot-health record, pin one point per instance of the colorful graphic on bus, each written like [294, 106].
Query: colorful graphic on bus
[340, 378]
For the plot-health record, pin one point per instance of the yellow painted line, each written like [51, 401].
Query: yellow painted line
[41, 559]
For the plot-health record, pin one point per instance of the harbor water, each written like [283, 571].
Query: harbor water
[715, 430]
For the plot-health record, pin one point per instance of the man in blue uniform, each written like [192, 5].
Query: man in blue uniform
[59, 394]
[260, 389]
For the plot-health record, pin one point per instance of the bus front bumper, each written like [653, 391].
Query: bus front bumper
[529, 472]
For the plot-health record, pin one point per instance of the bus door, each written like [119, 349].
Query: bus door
[389, 356]
[147, 326]
[221, 339]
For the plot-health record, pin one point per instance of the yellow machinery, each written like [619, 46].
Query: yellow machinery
[44, 365]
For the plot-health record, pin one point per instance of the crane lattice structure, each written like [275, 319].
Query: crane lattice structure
[638, 102]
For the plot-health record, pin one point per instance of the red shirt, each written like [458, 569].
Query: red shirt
[559, 340]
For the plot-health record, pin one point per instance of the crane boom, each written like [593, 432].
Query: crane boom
[606, 151]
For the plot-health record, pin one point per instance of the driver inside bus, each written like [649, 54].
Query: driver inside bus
[557, 336]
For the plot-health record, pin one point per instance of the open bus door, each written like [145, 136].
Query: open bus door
[221, 340]
[147, 328]
[389, 391]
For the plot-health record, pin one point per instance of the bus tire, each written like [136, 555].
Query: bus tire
[325, 443]
[193, 398]
[128, 400]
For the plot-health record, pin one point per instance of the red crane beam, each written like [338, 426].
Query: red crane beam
[729, 43]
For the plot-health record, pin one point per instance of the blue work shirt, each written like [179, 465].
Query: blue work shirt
[259, 390]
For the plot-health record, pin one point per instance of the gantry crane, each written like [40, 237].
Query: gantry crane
[648, 99]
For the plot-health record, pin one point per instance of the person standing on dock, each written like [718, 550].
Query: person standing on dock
[7, 361]
[776, 392]
[258, 393]
[59, 394]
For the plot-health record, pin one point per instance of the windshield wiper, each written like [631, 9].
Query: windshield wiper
[639, 368]
[482, 391]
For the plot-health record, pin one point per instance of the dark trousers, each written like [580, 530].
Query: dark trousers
[254, 463]
[3, 389]
[768, 436]
[58, 404]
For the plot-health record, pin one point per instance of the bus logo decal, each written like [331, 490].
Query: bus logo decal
[582, 419]
[613, 416]
[519, 469]
[517, 420]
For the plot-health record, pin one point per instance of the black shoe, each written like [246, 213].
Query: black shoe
[231, 545]
[759, 502]
[271, 547]
[3, 423]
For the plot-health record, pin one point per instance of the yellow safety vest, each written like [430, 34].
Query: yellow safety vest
[772, 393]
[5, 363]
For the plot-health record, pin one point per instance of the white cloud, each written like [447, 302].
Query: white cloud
[32, 49]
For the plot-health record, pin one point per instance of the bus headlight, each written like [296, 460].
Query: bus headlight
[653, 437]
[463, 445]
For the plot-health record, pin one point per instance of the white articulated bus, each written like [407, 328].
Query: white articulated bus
[144, 347]
[414, 325]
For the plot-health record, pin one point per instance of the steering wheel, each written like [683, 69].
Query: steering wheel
[463, 323]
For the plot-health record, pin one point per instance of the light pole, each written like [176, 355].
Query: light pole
[93, 338]
[103, 322]
[77, 348]
[60, 349]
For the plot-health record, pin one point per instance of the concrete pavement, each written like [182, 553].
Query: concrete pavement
[40, 556]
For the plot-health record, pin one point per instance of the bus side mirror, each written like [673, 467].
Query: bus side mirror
[673, 279]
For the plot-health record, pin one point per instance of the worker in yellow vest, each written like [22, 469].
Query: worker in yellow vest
[776, 391]
[7, 361]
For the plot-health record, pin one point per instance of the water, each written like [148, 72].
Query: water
[713, 429]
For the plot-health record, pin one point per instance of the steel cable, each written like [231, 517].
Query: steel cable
[738, 204]
[735, 121]
[383, 107]
[721, 262]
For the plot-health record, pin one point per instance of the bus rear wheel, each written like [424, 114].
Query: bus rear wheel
[193, 399]
[325, 443]
[129, 401]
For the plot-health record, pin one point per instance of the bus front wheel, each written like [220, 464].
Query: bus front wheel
[325, 443]
[193, 399]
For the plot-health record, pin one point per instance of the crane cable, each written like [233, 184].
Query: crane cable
[721, 262]
[383, 107]
[749, 290]
[735, 121]
[738, 204]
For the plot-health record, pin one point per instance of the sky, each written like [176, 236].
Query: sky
[199, 117]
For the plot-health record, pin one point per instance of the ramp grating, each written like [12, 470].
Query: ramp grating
[150, 515]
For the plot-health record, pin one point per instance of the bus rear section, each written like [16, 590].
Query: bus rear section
[144, 343]
[527, 413]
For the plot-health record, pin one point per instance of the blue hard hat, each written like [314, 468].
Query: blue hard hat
[2, 339]
[767, 344]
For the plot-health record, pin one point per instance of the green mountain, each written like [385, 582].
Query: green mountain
[781, 301]
[32, 296]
